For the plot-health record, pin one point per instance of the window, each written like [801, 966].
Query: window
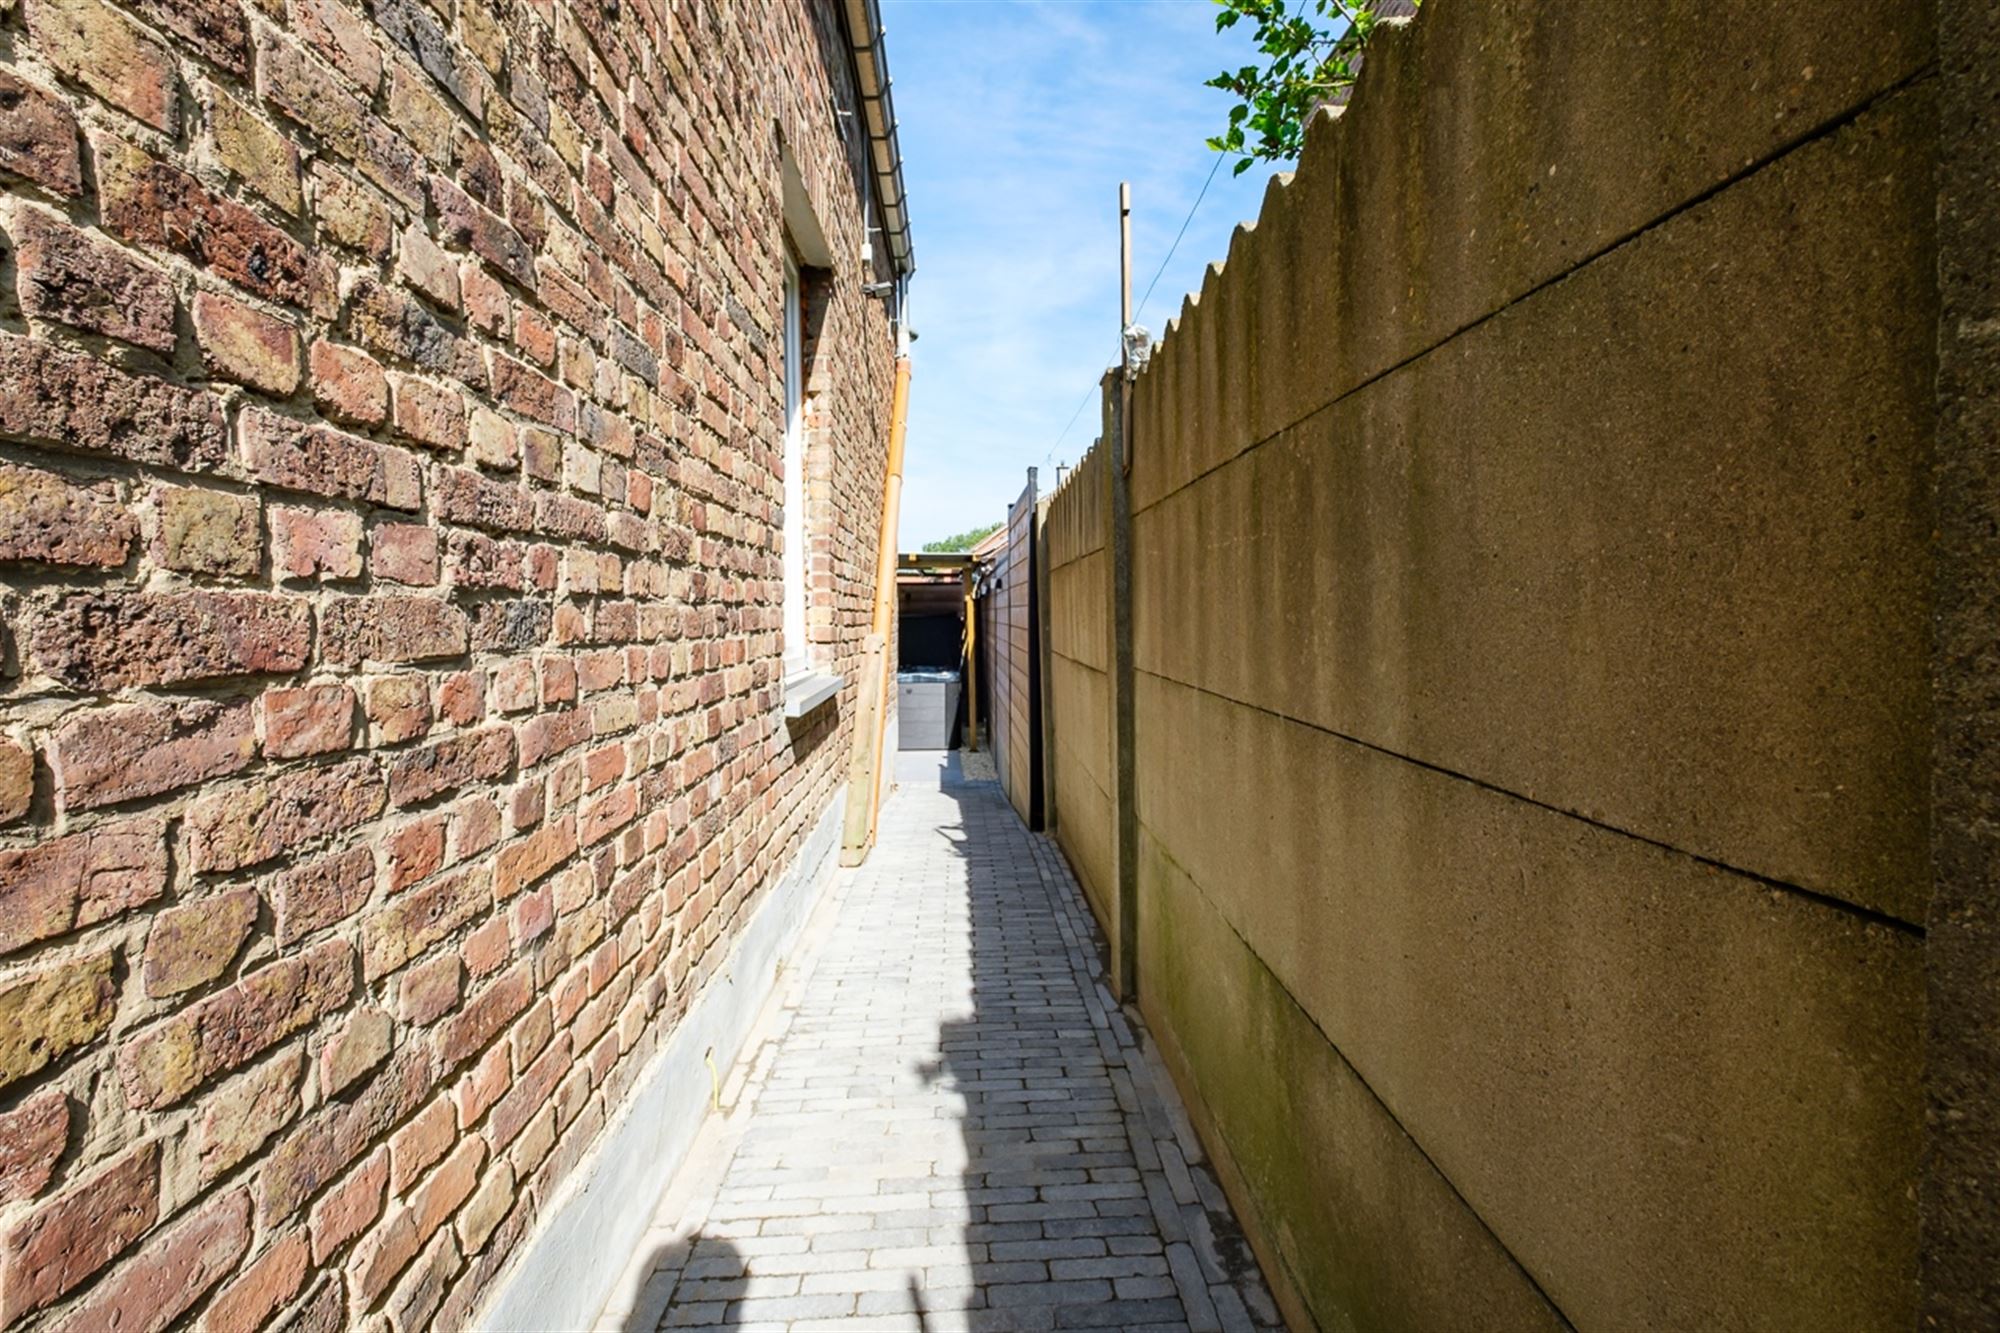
[796, 656]
[808, 289]
[805, 688]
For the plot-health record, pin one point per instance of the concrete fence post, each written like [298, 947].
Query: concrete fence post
[1125, 815]
[1959, 1208]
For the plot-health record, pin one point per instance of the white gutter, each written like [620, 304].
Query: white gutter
[878, 115]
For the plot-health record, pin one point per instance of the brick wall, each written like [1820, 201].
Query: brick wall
[390, 428]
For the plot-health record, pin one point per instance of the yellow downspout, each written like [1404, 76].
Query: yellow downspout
[866, 763]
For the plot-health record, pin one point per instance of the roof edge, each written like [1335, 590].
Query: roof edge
[878, 112]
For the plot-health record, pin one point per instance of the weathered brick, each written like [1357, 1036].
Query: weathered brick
[448, 764]
[514, 688]
[533, 394]
[421, 1143]
[429, 990]
[174, 1271]
[303, 456]
[599, 819]
[351, 212]
[240, 342]
[322, 892]
[107, 640]
[396, 324]
[107, 53]
[464, 222]
[361, 1045]
[428, 414]
[199, 531]
[348, 385]
[413, 1306]
[74, 400]
[511, 626]
[417, 115]
[17, 780]
[240, 1117]
[552, 733]
[462, 698]
[315, 1153]
[193, 944]
[324, 1310]
[314, 97]
[65, 883]
[466, 497]
[38, 136]
[479, 561]
[49, 1252]
[411, 923]
[384, 1254]
[529, 1094]
[307, 720]
[491, 441]
[559, 680]
[56, 520]
[155, 204]
[315, 543]
[165, 1063]
[412, 27]
[213, 29]
[486, 1209]
[399, 707]
[424, 265]
[124, 753]
[229, 830]
[522, 863]
[390, 628]
[68, 276]
[349, 1208]
[475, 826]
[342, 39]
[252, 148]
[486, 1015]
[486, 303]
[267, 1283]
[404, 553]
[32, 1138]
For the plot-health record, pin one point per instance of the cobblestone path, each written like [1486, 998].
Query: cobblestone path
[945, 1122]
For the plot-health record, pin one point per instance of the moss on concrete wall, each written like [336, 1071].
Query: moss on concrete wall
[1532, 591]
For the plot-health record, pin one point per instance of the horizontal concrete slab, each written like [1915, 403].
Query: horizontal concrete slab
[1369, 1234]
[1080, 610]
[1651, 546]
[1679, 1098]
[1490, 148]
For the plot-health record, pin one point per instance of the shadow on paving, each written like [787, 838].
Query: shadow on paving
[702, 1276]
[1094, 1216]
[950, 1126]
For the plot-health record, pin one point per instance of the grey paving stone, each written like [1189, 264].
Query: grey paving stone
[947, 1124]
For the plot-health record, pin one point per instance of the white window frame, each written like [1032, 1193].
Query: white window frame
[805, 688]
[796, 652]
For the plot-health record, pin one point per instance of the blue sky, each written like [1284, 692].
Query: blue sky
[1018, 120]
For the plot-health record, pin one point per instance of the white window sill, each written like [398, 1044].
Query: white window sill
[807, 690]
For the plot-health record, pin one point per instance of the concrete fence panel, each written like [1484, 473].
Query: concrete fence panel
[1532, 606]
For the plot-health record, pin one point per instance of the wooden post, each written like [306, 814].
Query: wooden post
[871, 719]
[971, 666]
[863, 776]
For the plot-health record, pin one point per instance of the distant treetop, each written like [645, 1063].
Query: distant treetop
[964, 541]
